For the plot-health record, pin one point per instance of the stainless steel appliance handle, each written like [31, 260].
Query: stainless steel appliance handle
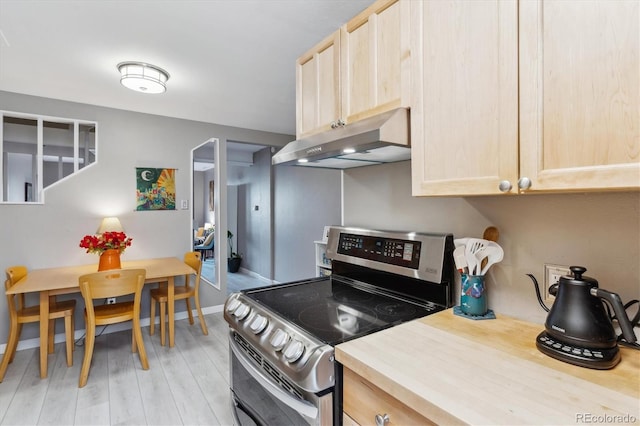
[301, 407]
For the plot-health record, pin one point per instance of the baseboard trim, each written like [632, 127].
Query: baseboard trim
[258, 276]
[114, 328]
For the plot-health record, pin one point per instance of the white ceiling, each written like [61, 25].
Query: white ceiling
[231, 61]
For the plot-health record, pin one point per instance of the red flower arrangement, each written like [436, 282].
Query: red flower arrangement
[105, 241]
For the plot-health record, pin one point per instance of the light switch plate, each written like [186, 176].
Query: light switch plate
[184, 204]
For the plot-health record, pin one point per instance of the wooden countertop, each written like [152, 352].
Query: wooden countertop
[455, 370]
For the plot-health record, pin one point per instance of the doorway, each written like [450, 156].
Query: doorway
[247, 206]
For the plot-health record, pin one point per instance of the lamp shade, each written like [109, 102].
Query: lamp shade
[110, 224]
[142, 77]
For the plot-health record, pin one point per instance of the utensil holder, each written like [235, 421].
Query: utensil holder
[473, 297]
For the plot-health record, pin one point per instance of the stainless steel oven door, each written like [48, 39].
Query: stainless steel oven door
[258, 399]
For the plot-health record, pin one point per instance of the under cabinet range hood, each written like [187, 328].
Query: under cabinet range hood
[383, 138]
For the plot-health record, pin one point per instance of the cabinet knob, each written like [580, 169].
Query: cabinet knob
[524, 183]
[505, 186]
[382, 420]
[340, 123]
[333, 125]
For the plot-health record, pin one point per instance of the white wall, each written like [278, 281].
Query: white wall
[48, 235]
[255, 216]
[600, 231]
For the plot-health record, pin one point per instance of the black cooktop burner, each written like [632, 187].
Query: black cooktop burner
[395, 309]
[334, 311]
[291, 295]
[351, 294]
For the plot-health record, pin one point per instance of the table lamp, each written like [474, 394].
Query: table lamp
[110, 224]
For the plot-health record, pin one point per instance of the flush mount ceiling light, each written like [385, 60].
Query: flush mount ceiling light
[142, 77]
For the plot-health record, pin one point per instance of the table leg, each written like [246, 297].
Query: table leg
[171, 308]
[44, 332]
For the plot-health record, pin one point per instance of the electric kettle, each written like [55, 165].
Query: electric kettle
[578, 329]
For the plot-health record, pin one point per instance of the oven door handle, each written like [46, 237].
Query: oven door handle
[302, 407]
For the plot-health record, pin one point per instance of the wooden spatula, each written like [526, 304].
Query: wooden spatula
[490, 234]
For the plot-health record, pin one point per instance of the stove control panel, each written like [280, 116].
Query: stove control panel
[422, 256]
[293, 351]
[405, 253]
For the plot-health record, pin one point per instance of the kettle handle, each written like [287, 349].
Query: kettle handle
[623, 320]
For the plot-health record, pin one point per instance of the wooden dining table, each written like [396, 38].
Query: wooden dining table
[55, 281]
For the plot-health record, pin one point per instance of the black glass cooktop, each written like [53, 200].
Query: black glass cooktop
[334, 311]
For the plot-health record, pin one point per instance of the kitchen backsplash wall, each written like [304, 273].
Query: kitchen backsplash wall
[600, 231]
[304, 200]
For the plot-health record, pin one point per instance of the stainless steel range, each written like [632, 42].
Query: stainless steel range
[282, 337]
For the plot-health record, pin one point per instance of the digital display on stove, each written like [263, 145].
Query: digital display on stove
[404, 253]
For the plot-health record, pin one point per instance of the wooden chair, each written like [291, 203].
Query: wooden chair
[159, 295]
[102, 285]
[20, 314]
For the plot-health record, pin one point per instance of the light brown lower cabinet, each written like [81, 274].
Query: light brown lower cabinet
[363, 401]
[348, 421]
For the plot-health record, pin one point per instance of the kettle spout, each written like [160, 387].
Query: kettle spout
[537, 287]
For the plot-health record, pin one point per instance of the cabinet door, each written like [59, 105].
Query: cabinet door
[580, 109]
[464, 117]
[375, 60]
[318, 87]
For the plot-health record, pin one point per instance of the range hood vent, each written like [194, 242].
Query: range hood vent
[383, 138]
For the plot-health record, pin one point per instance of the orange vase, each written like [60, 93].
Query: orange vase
[109, 259]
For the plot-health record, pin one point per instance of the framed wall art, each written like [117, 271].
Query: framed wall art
[155, 189]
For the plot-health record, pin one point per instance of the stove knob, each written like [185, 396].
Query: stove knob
[294, 351]
[258, 324]
[279, 339]
[233, 305]
[242, 311]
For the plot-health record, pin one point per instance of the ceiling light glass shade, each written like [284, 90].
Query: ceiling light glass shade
[141, 77]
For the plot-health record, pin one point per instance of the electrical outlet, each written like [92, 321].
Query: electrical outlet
[111, 301]
[552, 274]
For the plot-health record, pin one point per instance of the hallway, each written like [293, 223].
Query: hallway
[240, 280]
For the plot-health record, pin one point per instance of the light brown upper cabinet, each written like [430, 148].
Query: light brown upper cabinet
[529, 96]
[375, 60]
[318, 87]
[361, 70]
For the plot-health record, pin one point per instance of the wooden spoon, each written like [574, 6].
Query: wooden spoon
[490, 234]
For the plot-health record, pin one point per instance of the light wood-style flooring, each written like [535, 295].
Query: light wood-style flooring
[187, 384]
